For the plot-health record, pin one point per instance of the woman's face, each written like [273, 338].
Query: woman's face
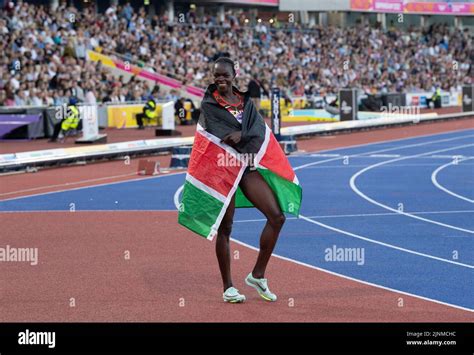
[223, 77]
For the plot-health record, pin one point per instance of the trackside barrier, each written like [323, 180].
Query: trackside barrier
[180, 157]
[148, 167]
[15, 161]
[23, 160]
[337, 127]
[288, 144]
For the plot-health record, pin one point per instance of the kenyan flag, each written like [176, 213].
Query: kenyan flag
[214, 173]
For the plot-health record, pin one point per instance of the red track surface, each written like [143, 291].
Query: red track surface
[81, 256]
[71, 177]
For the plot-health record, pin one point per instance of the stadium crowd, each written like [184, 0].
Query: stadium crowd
[44, 62]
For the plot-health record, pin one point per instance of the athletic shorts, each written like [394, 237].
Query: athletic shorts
[249, 169]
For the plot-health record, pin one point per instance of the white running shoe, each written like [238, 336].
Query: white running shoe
[232, 295]
[262, 288]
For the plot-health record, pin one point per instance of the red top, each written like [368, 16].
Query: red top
[235, 109]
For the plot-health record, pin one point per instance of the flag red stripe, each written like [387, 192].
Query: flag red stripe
[275, 160]
[211, 165]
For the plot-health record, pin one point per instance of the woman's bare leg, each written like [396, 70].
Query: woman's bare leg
[222, 245]
[261, 195]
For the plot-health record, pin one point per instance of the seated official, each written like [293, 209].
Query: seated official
[149, 112]
[435, 99]
[70, 123]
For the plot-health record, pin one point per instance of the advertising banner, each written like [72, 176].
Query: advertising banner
[123, 116]
[468, 98]
[275, 112]
[348, 104]
[414, 7]
[168, 116]
[90, 121]
[419, 99]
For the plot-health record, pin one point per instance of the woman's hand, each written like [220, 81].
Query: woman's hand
[232, 138]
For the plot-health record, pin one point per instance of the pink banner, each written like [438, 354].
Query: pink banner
[413, 7]
[460, 8]
[161, 79]
[251, 2]
[362, 5]
[388, 6]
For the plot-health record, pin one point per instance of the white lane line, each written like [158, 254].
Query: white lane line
[351, 278]
[417, 145]
[79, 211]
[315, 163]
[353, 235]
[451, 157]
[460, 157]
[176, 196]
[361, 215]
[65, 184]
[342, 166]
[354, 188]
[356, 280]
[384, 155]
[91, 186]
[322, 155]
[465, 130]
[382, 150]
[434, 180]
[296, 168]
[176, 201]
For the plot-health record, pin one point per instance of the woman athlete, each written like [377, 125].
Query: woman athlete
[254, 188]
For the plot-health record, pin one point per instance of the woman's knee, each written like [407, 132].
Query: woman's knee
[277, 220]
[225, 229]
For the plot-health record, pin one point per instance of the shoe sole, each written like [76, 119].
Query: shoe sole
[258, 291]
[234, 300]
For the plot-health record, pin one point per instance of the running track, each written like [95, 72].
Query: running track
[407, 204]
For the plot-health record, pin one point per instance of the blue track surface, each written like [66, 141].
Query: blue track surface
[379, 198]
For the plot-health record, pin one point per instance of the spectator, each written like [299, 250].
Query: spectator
[41, 45]
[255, 89]
[20, 98]
[90, 97]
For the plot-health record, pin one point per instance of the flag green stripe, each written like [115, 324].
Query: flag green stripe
[198, 210]
[240, 200]
[287, 193]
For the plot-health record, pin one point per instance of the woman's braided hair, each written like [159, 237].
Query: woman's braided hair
[226, 60]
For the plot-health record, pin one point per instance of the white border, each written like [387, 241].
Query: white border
[357, 280]
[354, 188]
[209, 190]
[435, 182]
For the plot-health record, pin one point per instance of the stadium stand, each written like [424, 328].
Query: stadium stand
[44, 54]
